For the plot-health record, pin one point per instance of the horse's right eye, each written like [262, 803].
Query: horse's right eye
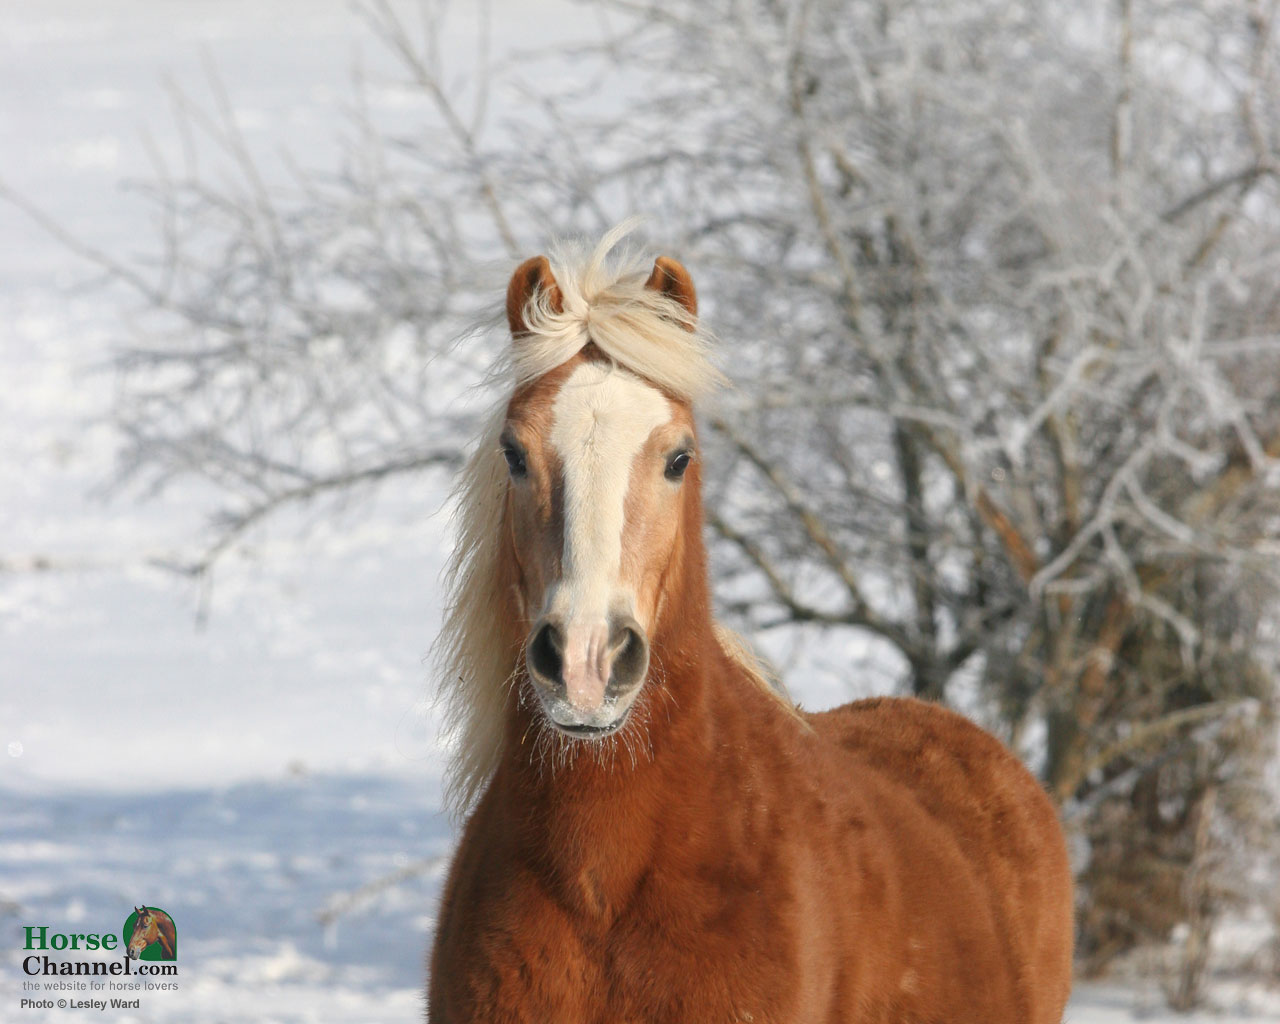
[515, 460]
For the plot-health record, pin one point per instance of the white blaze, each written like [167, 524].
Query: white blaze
[601, 419]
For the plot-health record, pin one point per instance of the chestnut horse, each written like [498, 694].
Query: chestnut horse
[151, 926]
[655, 833]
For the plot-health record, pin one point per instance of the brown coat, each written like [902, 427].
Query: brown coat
[723, 858]
[891, 863]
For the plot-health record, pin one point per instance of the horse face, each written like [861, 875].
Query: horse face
[597, 459]
[145, 931]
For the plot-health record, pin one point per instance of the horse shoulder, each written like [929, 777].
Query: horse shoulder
[976, 852]
[505, 952]
[962, 775]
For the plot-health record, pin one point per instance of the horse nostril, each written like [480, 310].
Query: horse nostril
[631, 654]
[546, 654]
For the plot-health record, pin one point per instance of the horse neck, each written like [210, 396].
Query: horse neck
[590, 817]
[590, 829]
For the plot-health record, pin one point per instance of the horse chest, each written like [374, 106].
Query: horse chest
[671, 952]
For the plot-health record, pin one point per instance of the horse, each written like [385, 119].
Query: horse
[151, 926]
[654, 832]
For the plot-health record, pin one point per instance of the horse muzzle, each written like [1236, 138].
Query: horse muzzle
[587, 675]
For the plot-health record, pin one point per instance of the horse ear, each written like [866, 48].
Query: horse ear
[532, 276]
[670, 278]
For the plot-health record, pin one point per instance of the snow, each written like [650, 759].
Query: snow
[246, 871]
[253, 774]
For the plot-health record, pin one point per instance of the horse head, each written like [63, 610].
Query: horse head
[602, 473]
[145, 931]
[151, 926]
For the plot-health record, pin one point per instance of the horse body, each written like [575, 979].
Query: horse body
[780, 875]
[716, 856]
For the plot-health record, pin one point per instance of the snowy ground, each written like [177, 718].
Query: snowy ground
[252, 775]
[248, 873]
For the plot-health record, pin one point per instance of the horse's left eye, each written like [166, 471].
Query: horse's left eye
[677, 464]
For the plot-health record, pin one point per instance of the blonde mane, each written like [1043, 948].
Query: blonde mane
[605, 301]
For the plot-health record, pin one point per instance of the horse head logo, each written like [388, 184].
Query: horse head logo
[151, 934]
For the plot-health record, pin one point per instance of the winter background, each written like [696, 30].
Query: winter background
[256, 755]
